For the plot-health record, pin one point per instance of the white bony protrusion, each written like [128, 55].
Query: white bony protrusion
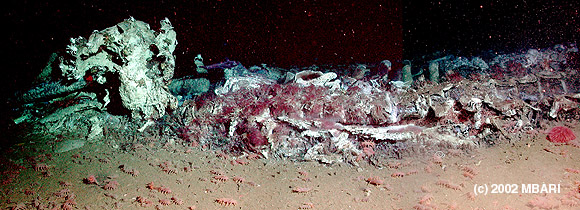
[343, 143]
[232, 129]
[106, 99]
[400, 85]
[147, 124]
[393, 133]
[317, 78]
[96, 130]
[474, 105]
[434, 72]
[198, 60]
[533, 56]
[166, 24]
[478, 122]
[479, 63]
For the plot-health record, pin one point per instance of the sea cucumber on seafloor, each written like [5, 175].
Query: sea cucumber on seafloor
[221, 178]
[253, 157]
[40, 167]
[375, 181]
[422, 207]
[65, 184]
[19, 206]
[130, 171]
[437, 159]
[143, 201]
[411, 172]
[470, 196]
[574, 143]
[469, 172]
[217, 172]
[448, 184]
[241, 162]
[68, 204]
[238, 179]
[301, 189]
[63, 193]
[169, 170]
[426, 199]
[177, 201]
[151, 186]
[91, 180]
[569, 202]
[164, 190]
[253, 184]
[468, 175]
[226, 201]
[111, 185]
[572, 170]
[542, 202]
[306, 206]
[428, 168]
[165, 202]
[398, 174]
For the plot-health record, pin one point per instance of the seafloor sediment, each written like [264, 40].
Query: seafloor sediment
[194, 179]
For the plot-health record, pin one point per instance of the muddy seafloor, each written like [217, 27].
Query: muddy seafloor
[188, 176]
